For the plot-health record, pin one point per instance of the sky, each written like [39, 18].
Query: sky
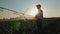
[51, 8]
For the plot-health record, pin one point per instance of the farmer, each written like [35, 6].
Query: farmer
[39, 18]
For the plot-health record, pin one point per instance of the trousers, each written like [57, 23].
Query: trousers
[39, 26]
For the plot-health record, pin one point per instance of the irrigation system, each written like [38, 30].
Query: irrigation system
[15, 12]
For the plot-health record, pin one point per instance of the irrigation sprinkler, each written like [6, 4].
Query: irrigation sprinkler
[15, 12]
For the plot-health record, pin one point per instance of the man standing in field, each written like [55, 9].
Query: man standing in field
[39, 18]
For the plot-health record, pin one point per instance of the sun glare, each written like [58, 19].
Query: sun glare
[34, 12]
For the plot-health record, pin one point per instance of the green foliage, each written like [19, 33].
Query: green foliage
[24, 26]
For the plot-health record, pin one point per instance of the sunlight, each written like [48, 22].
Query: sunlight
[34, 11]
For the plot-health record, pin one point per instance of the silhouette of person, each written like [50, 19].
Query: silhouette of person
[39, 18]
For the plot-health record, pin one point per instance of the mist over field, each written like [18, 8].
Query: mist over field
[13, 22]
[18, 16]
